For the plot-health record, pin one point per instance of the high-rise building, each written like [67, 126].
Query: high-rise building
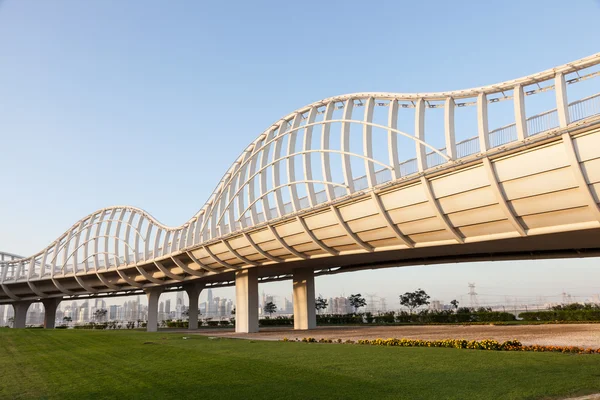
[223, 307]
[215, 307]
[341, 305]
[10, 313]
[74, 311]
[35, 314]
[436, 305]
[2, 320]
[179, 305]
[161, 311]
[228, 309]
[113, 312]
[288, 306]
[120, 313]
[59, 313]
[135, 309]
[127, 311]
[168, 308]
[210, 307]
[99, 304]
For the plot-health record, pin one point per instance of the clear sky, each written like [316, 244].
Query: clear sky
[147, 103]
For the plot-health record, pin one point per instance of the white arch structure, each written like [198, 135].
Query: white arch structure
[338, 185]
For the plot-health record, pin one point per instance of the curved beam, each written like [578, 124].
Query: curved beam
[280, 187]
[438, 210]
[345, 152]
[61, 288]
[512, 218]
[127, 279]
[9, 292]
[106, 282]
[349, 231]
[35, 290]
[238, 255]
[383, 212]
[218, 260]
[285, 245]
[579, 177]
[261, 251]
[148, 276]
[198, 263]
[168, 273]
[314, 239]
[184, 267]
[84, 285]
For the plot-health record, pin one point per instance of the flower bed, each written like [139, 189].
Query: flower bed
[486, 344]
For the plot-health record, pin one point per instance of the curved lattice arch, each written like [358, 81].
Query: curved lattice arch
[297, 164]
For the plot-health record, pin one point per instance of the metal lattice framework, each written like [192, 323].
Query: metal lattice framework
[318, 155]
[4, 256]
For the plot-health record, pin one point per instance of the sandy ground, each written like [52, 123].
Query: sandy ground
[582, 335]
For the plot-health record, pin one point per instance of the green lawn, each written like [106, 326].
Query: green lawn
[69, 364]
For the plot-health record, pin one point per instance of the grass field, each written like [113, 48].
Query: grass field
[68, 364]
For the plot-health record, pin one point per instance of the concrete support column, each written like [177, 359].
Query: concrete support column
[153, 296]
[246, 301]
[193, 292]
[304, 299]
[20, 308]
[50, 306]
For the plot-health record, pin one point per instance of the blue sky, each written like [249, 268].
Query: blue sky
[147, 103]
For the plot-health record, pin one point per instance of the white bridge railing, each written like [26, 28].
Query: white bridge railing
[540, 123]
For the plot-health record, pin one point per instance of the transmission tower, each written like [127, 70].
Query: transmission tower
[383, 305]
[371, 303]
[473, 296]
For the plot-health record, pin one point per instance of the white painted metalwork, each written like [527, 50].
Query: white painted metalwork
[320, 155]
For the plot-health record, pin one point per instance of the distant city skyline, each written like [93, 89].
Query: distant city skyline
[507, 292]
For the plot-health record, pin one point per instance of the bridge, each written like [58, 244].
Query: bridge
[346, 184]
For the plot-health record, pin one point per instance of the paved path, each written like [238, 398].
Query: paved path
[582, 335]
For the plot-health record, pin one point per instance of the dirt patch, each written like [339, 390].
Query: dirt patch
[582, 335]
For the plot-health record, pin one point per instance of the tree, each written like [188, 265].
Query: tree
[100, 314]
[454, 304]
[11, 321]
[233, 311]
[67, 319]
[320, 304]
[415, 299]
[357, 301]
[270, 308]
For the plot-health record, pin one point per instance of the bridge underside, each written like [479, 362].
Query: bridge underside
[575, 244]
[571, 244]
